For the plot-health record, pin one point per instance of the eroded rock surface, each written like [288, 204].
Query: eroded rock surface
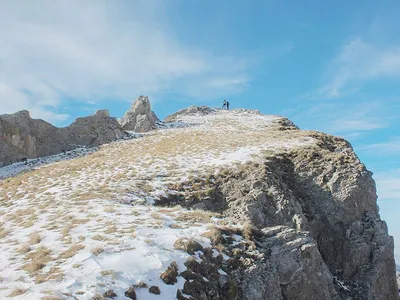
[316, 206]
[139, 118]
[267, 211]
[24, 137]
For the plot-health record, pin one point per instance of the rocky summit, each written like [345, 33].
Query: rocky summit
[212, 204]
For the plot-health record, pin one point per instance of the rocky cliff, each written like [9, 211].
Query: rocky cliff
[231, 205]
[24, 137]
[139, 118]
[317, 217]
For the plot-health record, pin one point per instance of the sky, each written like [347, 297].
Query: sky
[331, 66]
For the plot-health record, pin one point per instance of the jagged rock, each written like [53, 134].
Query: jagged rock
[110, 294]
[130, 293]
[94, 130]
[351, 242]
[139, 118]
[170, 275]
[24, 137]
[141, 285]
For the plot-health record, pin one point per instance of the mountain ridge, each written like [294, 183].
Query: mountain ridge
[247, 205]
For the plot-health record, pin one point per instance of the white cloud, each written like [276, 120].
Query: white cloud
[388, 184]
[356, 63]
[88, 50]
[345, 125]
[348, 119]
[390, 147]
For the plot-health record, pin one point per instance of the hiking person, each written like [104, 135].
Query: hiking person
[224, 104]
[227, 105]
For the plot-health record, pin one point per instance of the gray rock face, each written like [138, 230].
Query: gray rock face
[139, 118]
[21, 136]
[294, 270]
[321, 231]
[329, 195]
[398, 280]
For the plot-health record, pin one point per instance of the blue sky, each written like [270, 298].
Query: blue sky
[332, 66]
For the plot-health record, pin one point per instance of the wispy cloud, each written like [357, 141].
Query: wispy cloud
[356, 63]
[391, 147]
[348, 119]
[91, 49]
[359, 123]
[388, 184]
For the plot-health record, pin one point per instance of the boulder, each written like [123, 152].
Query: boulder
[139, 118]
[130, 293]
[154, 290]
[170, 275]
[110, 294]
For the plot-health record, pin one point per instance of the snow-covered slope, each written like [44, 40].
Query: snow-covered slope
[74, 214]
[72, 229]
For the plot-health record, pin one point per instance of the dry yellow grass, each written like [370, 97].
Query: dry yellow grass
[50, 297]
[34, 238]
[28, 224]
[37, 260]
[97, 250]
[108, 273]
[3, 232]
[215, 235]
[111, 229]
[53, 274]
[156, 216]
[70, 252]
[196, 216]
[65, 230]
[17, 292]
[24, 249]
[99, 237]
[24, 212]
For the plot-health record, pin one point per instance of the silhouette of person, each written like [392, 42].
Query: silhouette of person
[227, 105]
[224, 104]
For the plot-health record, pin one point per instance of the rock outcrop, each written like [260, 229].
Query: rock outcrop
[139, 118]
[191, 110]
[24, 137]
[315, 206]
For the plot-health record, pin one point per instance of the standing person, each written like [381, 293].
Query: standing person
[227, 105]
[224, 104]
